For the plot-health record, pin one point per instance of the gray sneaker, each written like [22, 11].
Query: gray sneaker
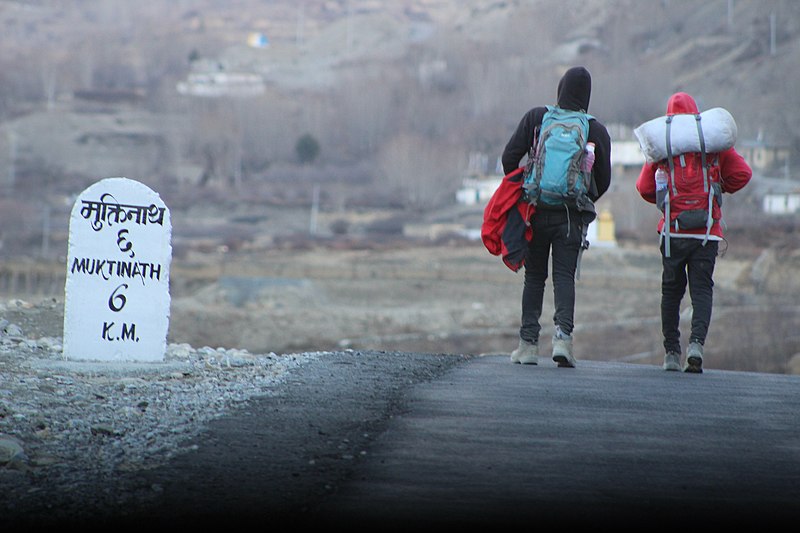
[562, 349]
[694, 358]
[527, 353]
[672, 361]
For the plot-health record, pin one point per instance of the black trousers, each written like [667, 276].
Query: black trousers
[690, 261]
[557, 233]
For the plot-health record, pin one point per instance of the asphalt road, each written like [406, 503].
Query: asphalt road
[491, 443]
[383, 441]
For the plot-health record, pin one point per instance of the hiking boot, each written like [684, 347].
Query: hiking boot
[672, 361]
[527, 353]
[562, 349]
[694, 358]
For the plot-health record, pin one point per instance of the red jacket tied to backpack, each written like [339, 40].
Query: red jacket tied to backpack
[506, 229]
[728, 169]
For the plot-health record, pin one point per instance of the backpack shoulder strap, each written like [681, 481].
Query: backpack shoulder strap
[670, 188]
[706, 184]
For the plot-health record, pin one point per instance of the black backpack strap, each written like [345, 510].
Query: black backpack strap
[529, 164]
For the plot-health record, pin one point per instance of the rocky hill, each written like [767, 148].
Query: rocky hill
[736, 54]
[398, 94]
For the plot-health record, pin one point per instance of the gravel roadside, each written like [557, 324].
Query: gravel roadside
[209, 433]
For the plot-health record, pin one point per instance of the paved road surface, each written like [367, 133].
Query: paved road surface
[374, 440]
[606, 443]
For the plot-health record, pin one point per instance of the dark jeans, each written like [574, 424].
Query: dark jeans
[558, 232]
[688, 256]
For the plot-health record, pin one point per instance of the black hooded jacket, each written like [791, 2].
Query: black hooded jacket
[574, 91]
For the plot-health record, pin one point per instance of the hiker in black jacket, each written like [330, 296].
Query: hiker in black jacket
[558, 230]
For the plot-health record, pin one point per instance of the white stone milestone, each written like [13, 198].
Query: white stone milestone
[117, 297]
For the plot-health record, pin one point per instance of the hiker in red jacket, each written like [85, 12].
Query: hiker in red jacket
[557, 231]
[689, 255]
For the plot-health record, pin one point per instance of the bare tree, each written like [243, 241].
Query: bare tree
[214, 140]
[270, 128]
[424, 172]
[365, 113]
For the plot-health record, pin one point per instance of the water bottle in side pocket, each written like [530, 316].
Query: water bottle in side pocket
[661, 188]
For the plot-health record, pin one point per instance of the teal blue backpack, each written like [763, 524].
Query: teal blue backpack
[553, 173]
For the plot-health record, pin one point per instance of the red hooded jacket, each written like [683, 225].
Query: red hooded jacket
[734, 172]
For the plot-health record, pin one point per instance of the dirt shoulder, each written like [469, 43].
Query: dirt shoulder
[454, 298]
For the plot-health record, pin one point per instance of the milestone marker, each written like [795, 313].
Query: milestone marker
[117, 300]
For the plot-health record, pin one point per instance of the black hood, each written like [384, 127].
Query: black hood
[574, 89]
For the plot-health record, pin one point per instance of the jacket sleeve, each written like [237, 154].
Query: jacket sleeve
[646, 182]
[521, 140]
[734, 170]
[601, 171]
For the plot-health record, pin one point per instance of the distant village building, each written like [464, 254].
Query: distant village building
[779, 193]
[764, 158]
[778, 196]
[480, 185]
[477, 190]
[210, 79]
[217, 84]
[627, 154]
[786, 203]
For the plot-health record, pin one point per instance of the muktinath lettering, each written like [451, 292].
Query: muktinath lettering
[108, 268]
[114, 212]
